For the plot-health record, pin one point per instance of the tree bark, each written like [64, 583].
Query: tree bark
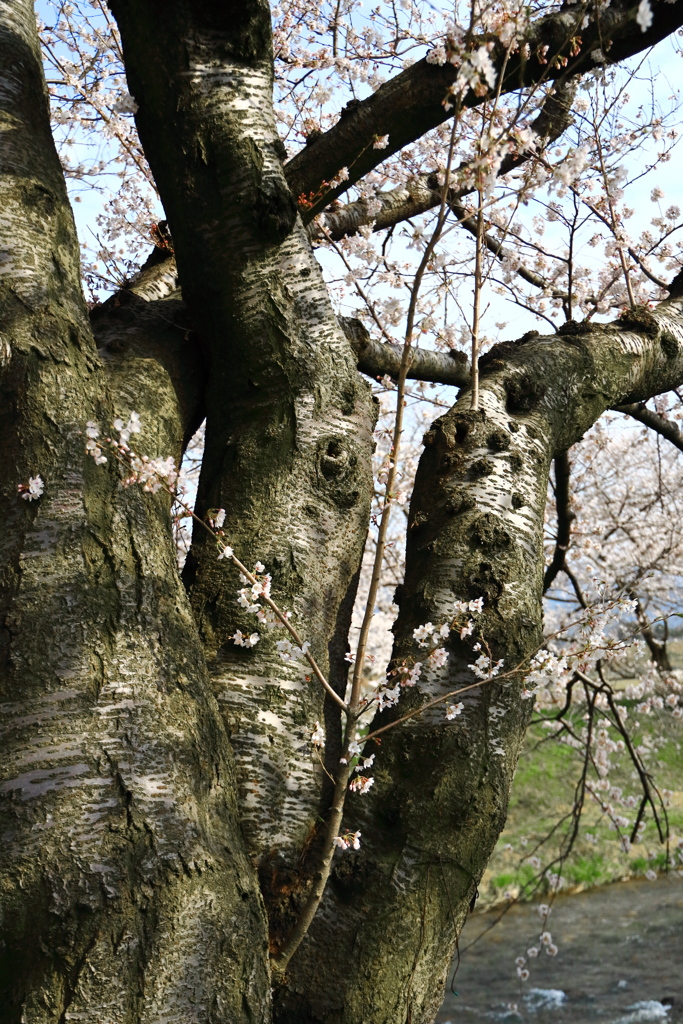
[385, 934]
[131, 837]
[289, 420]
[126, 893]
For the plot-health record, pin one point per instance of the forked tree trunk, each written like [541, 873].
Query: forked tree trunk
[132, 838]
[385, 934]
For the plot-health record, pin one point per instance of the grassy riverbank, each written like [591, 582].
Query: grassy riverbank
[543, 793]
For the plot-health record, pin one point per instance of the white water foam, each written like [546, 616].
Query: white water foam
[643, 1012]
[544, 999]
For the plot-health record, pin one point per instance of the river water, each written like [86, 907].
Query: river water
[619, 960]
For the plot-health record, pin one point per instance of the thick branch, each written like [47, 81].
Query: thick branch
[161, 328]
[475, 529]
[412, 103]
[424, 192]
[377, 359]
[565, 517]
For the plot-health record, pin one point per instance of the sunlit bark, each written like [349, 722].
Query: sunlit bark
[153, 773]
[126, 894]
[386, 932]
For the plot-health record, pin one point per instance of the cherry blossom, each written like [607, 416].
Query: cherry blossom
[33, 489]
[349, 841]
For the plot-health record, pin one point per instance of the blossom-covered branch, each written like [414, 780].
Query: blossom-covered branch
[423, 192]
[570, 41]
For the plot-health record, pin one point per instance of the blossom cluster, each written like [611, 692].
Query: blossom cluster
[318, 736]
[476, 69]
[152, 474]
[349, 841]
[546, 943]
[33, 489]
[428, 636]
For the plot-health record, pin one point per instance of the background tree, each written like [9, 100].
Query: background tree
[164, 807]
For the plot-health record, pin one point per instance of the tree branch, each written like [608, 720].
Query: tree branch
[665, 428]
[378, 360]
[412, 103]
[565, 517]
[145, 311]
[423, 192]
[657, 648]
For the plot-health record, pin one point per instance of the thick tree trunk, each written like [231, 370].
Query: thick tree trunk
[385, 934]
[129, 894]
[126, 895]
[289, 419]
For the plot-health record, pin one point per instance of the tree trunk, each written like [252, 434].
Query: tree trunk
[126, 894]
[133, 839]
[385, 935]
[289, 420]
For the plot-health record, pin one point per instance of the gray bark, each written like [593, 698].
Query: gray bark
[125, 891]
[386, 931]
[289, 421]
[138, 813]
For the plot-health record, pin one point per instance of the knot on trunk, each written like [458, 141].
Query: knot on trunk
[275, 210]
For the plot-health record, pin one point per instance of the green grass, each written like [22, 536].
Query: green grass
[543, 792]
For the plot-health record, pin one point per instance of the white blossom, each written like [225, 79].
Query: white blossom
[242, 640]
[125, 104]
[318, 735]
[437, 55]
[361, 784]
[350, 840]
[570, 169]
[387, 696]
[33, 489]
[644, 15]
[422, 634]
[483, 668]
[290, 652]
[438, 658]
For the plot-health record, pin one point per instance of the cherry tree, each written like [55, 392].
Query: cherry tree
[202, 820]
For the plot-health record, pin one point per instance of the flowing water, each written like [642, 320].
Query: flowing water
[620, 960]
